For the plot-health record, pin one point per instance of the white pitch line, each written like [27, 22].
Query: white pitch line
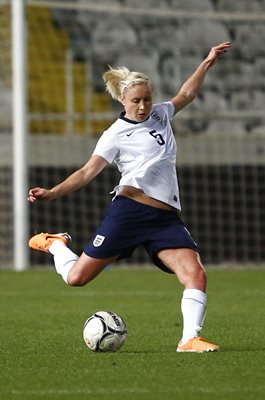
[136, 390]
[114, 294]
[73, 392]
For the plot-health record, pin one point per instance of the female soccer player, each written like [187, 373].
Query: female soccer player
[146, 205]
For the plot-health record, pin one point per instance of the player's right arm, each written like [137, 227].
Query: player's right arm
[191, 88]
[75, 181]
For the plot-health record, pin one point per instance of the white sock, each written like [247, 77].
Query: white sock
[193, 307]
[63, 258]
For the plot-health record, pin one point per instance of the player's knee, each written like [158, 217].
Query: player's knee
[193, 276]
[75, 279]
[197, 278]
[201, 274]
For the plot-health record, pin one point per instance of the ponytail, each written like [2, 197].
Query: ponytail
[119, 79]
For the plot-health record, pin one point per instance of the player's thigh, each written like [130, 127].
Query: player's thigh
[186, 264]
[87, 268]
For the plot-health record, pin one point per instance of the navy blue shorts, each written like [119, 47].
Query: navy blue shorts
[129, 224]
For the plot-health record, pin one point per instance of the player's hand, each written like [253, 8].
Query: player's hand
[216, 51]
[38, 194]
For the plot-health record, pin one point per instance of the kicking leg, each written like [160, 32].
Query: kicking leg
[75, 271]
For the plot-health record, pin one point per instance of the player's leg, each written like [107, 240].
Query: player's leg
[185, 263]
[87, 268]
[75, 271]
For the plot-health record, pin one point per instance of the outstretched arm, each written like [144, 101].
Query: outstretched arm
[192, 86]
[74, 182]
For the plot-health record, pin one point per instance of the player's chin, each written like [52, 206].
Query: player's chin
[141, 117]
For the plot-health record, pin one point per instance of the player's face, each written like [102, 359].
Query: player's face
[137, 102]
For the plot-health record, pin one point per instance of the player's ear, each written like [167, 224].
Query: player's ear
[121, 100]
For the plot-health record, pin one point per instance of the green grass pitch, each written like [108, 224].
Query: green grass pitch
[43, 356]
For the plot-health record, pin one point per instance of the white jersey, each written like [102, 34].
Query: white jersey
[145, 154]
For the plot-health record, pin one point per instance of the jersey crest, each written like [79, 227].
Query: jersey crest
[158, 118]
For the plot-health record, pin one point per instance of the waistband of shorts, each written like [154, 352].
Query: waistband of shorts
[125, 198]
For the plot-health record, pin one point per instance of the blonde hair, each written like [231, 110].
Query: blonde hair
[119, 79]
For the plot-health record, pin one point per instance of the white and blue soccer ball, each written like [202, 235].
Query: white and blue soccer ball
[104, 331]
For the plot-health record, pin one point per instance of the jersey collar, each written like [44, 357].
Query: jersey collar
[122, 116]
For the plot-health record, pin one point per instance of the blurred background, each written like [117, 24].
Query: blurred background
[220, 136]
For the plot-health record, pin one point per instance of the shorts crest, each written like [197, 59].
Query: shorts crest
[99, 239]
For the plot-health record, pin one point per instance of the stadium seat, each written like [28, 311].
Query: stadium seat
[108, 33]
[142, 4]
[243, 6]
[198, 5]
[201, 40]
[145, 61]
[240, 100]
[259, 130]
[225, 127]
[248, 40]
[213, 101]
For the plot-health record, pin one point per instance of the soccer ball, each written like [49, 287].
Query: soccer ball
[104, 331]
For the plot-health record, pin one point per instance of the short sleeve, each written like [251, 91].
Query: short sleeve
[167, 108]
[106, 147]
[170, 108]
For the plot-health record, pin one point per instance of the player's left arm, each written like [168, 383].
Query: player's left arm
[190, 89]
